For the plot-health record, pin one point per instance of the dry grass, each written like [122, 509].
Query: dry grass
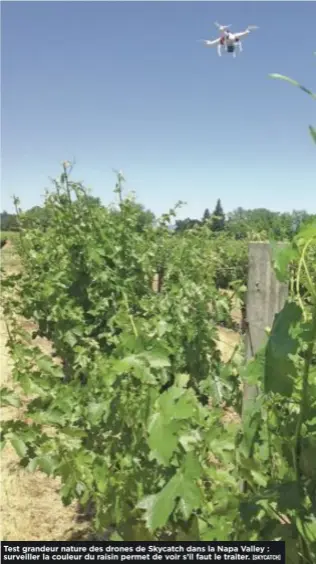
[236, 311]
[30, 503]
[9, 258]
[228, 339]
[227, 342]
[31, 506]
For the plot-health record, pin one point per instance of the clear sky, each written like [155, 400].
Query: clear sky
[126, 85]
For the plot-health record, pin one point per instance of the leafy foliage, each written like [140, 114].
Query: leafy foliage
[139, 417]
[137, 365]
[283, 447]
[311, 128]
[137, 414]
[262, 224]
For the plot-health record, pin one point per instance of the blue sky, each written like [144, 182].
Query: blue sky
[126, 85]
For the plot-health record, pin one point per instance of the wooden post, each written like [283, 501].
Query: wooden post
[155, 282]
[265, 297]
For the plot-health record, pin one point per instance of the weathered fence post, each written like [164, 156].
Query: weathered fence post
[155, 282]
[265, 297]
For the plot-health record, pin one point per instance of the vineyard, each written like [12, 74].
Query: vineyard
[134, 409]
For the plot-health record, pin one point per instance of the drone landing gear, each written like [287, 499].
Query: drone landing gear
[238, 42]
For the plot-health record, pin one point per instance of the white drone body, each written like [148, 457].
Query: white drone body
[228, 40]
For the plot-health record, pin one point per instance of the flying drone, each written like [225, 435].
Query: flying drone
[228, 40]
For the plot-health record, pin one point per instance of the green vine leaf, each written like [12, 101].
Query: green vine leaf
[294, 82]
[280, 369]
[8, 397]
[312, 131]
[159, 507]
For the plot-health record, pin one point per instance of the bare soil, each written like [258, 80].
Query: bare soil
[30, 504]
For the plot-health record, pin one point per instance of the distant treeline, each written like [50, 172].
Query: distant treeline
[9, 222]
[242, 223]
[239, 224]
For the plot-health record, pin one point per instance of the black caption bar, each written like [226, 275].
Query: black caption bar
[143, 552]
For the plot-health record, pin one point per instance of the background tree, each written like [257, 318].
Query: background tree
[218, 217]
[206, 215]
[242, 224]
[145, 217]
[36, 216]
[185, 224]
[9, 222]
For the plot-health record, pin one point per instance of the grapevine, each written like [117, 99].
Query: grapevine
[136, 412]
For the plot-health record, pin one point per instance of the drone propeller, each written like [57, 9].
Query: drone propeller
[208, 41]
[252, 27]
[222, 27]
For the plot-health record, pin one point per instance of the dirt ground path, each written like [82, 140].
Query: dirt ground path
[30, 505]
